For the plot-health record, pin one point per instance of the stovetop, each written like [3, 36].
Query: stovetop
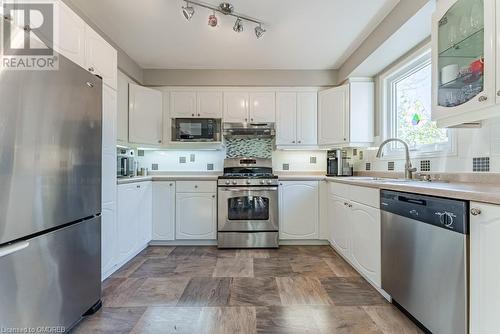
[248, 176]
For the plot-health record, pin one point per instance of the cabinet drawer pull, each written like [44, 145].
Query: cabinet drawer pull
[475, 211]
[91, 69]
[482, 98]
[196, 187]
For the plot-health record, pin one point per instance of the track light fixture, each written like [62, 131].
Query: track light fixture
[188, 11]
[259, 31]
[224, 8]
[238, 25]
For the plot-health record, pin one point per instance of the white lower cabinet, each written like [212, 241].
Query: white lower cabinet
[196, 211]
[108, 239]
[163, 211]
[338, 216]
[366, 240]
[134, 219]
[299, 210]
[355, 228]
[484, 268]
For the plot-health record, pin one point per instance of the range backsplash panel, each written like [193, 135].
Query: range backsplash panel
[249, 147]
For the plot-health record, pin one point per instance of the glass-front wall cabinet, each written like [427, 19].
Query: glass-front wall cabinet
[461, 62]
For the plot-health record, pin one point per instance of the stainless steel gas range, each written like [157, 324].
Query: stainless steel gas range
[248, 204]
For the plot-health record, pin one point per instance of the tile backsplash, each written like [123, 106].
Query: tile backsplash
[198, 160]
[245, 147]
[476, 150]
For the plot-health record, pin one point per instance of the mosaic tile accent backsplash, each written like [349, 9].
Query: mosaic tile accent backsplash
[249, 147]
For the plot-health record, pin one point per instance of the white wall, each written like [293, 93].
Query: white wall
[470, 143]
[168, 161]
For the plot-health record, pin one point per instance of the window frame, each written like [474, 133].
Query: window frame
[403, 68]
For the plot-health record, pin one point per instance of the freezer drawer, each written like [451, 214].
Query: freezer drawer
[53, 279]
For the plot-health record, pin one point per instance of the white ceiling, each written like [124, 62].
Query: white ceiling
[301, 34]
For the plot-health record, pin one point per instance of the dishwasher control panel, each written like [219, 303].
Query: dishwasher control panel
[446, 213]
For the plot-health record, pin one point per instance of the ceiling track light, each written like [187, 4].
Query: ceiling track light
[188, 11]
[259, 31]
[238, 25]
[224, 8]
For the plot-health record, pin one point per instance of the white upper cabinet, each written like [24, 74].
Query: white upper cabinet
[464, 68]
[236, 107]
[346, 114]
[183, 104]
[209, 104]
[299, 210]
[122, 115]
[71, 40]
[202, 104]
[262, 107]
[256, 107]
[286, 118]
[307, 119]
[100, 57]
[296, 119]
[145, 115]
[333, 115]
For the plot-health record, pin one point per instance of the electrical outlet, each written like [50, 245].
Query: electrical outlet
[481, 164]
[390, 166]
[368, 166]
[425, 166]
[140, 153]
[210, 166]
[361, 155]
[154, 166]
[192, 158]
[182, 160]
[286, 166]
[313, 160]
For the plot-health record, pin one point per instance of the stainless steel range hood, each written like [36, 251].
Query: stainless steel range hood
[249, 130]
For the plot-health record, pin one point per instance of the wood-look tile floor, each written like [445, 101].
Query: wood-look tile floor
[294, 289]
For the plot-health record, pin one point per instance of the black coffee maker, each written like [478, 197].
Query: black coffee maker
[338, 163]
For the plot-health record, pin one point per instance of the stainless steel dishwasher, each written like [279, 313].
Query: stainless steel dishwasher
[425, 248]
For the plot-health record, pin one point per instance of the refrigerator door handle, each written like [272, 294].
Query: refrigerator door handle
[9, 249]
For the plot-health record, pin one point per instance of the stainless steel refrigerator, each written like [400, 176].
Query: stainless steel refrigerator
[50, 196]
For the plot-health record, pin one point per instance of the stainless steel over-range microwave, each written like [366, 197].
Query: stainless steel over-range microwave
[196, 129]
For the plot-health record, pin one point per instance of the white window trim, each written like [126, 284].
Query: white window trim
[422, 55]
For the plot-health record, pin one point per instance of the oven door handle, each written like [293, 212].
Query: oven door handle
[249, 189]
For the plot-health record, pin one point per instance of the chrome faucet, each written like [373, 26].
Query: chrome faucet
[409, 170]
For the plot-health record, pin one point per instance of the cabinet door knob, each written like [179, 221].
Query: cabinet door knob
[345, 139]
[213, 196]
[196, 186]
[475, 211]
[171, 184]
[482, 98]
[199, 115]
[498, 93]
[300, 141]
[138, 186]
[192, 115]
[246, 119]
[159, 141]
[293, 141]
[91, 69]
[251, 119]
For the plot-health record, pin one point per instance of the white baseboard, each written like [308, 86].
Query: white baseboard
[379, 289]
[122, 263]
[304, 242]
[184, 243]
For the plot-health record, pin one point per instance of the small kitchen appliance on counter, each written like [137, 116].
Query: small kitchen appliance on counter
[125, 166]
[338, 163]
[248, 204]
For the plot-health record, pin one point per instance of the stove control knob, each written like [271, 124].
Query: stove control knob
[262, 182]
[248, 182]
[227, 182]
[235, 183]
[269, 182]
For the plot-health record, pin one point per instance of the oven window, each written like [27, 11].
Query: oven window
[248, 208]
